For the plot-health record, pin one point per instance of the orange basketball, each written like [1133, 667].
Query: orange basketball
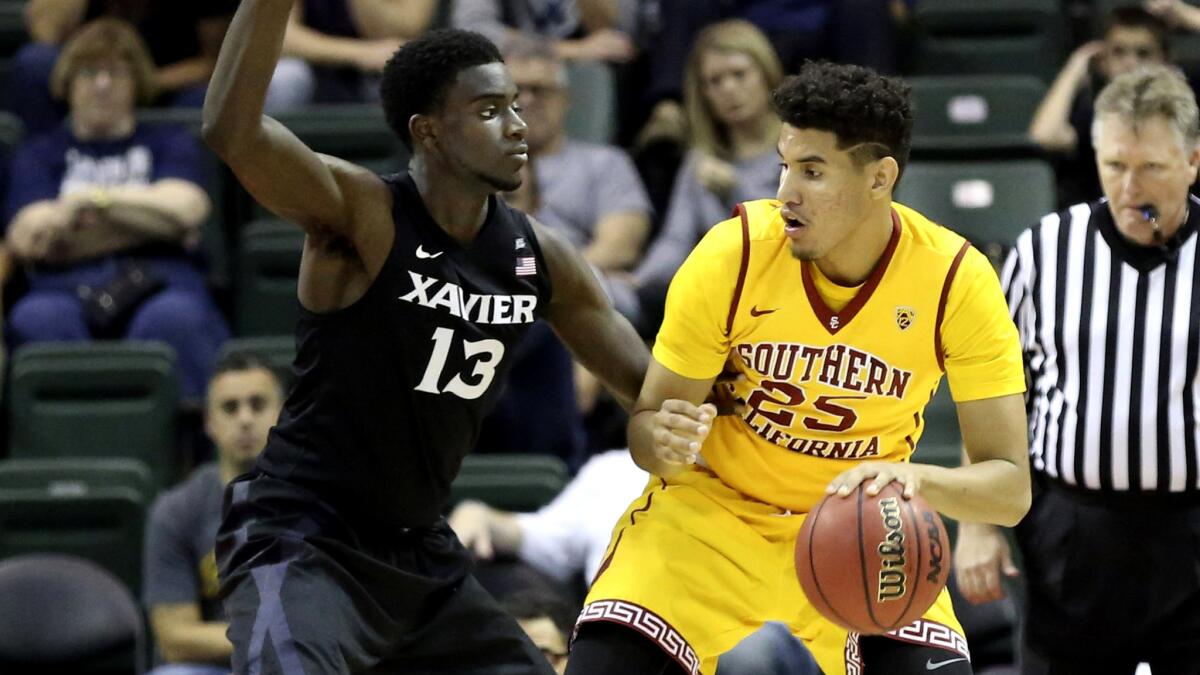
[872, 564]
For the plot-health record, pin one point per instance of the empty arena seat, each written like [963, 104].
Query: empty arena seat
[77, 476]
[961, 115]
[96, 399]
[510, 482]
[105, 525]
[998, 36]
[64, 614]
[267, 269]
[12, 27]
[988, 202]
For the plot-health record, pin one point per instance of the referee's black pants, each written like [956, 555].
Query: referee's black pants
[1111, 581]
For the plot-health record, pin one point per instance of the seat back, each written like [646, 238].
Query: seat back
[510, 482]
[989, 203]
[268, 267]
[968, 114]
[104, 526]
[997, 36]
[78, 476]
[63, 614]
[97, 399]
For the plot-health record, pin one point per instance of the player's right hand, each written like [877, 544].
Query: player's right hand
[982, 557]
[471, 521]
[679, 429]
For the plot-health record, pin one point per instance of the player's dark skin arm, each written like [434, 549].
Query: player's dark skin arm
[598, 336]
[344, 209]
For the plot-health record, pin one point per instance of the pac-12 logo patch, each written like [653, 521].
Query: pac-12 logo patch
[905, 317]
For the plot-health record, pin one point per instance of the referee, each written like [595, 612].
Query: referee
[1105, 298]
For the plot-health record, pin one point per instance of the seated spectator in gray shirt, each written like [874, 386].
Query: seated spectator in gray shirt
[244, 399]
[590, 192]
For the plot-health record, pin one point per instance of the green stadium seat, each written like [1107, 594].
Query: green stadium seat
[997, 36]
[77, 476]
[11, 131]
[592, 114]
[64, 614]
[278, 350]
[969, 114]
[941, 442]
[268, 265]
[988, 202]
[12, 26]
[97, 399]
[510, 482]
[105, 526]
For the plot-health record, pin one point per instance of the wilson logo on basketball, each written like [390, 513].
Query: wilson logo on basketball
[892, 580]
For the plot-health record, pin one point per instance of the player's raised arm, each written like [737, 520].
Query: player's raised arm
[275, 167]
[599, 337]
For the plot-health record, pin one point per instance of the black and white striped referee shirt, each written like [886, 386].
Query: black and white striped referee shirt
[1111, 335]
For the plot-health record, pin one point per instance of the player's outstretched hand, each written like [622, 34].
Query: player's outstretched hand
[904, 473]
[471, 521]
[982, 557]
[679, 429]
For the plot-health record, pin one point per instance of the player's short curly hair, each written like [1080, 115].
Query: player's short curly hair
[417, 77]
[858, 105]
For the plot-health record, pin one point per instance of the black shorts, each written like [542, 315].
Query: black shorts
[306, 595]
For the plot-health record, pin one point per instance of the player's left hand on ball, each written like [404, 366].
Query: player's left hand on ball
[877, 475]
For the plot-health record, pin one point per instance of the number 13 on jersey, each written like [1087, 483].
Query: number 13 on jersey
[483, 369]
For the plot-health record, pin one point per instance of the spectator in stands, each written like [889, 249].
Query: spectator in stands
[590, 192]
[546, 619]
[577, 29]
[244, 400]
[1062, 124]
[732, 157]
[183, 37]
[864, 32]
[334, 50]
[106, 213]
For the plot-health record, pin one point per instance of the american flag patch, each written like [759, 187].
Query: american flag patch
[526, 266]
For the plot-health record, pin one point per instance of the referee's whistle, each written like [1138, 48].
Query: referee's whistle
[1151, 214]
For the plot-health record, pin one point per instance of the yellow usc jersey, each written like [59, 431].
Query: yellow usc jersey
[834, 375]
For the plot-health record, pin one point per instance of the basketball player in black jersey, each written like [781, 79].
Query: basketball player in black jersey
[333, 555]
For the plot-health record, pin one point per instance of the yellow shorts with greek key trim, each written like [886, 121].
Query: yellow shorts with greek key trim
[696, 567]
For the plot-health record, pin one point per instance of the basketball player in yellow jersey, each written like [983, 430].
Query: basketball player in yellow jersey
[842, 310]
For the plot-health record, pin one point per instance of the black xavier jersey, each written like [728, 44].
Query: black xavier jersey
[390, 391]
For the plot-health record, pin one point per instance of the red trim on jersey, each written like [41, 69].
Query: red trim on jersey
[937, 329]
[835, 321]
[740, 210]
[632, 516]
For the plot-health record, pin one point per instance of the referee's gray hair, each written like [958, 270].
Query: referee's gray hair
[1151, 91]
